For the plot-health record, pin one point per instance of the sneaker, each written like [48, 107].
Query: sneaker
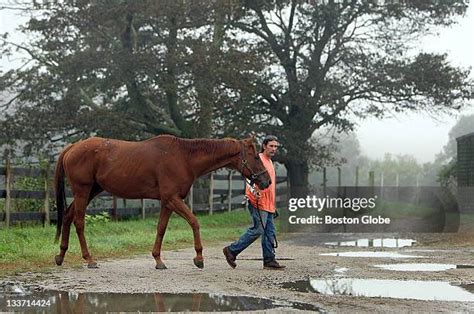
[229, 257]
[273, 265]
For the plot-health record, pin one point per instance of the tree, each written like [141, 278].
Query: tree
[133, 69]
[329, 61]
[122, 69]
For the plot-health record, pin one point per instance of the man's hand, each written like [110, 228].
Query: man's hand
[256, 192]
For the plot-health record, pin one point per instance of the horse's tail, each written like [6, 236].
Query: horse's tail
[60, 191]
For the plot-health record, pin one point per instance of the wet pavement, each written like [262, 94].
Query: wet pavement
[332, 282]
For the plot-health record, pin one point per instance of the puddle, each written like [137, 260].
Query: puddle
[422, 267]
[372, 254]
[13, 297]
[410, 289]
[341, 270]
[387, 243]
[299, 286]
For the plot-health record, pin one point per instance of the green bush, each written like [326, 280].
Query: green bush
[29, 184]
[97, 219]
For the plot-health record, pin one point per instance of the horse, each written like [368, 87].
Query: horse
[163, 168]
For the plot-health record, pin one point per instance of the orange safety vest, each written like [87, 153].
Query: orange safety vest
[267, 198]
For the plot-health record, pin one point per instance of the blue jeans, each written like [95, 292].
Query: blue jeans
[255, 231]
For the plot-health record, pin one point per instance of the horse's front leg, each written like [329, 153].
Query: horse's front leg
[165, 214]
[178, 206]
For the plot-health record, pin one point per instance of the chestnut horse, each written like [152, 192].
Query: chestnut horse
[163, 168]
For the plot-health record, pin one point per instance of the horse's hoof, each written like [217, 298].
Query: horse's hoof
[198, 263]
[92, 265]
[161, 266]
[59, 260]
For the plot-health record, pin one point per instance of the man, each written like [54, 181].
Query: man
[261, 205]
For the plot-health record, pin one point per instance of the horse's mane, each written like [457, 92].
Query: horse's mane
[208, 146]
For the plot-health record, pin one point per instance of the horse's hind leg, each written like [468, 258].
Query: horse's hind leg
[79, 223]
[165, 214]
[82, 197]
[178, 206]
[68, 217]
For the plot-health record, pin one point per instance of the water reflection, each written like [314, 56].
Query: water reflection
[371, 254]
[399, 289]
[422, 267]
[387, 243]
[409, 289]
[72, 302]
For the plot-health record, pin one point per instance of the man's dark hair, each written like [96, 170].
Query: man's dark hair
[267, 139]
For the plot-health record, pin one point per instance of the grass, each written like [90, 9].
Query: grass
[32, 248]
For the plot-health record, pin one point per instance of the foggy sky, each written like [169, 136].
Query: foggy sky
[417, 134]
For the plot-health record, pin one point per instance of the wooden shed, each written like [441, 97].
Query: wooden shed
[465, 172]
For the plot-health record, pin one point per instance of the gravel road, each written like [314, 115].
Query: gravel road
[301, 254]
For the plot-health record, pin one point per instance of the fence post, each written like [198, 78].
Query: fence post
[339, 177]
[339, 181]
[143, 208]
[372, 179]
[46, 195]
[8, 174]
[381, 184]
[114, 207]
[324, 181]
[284, 225]
[229, 194]
[372, 183]
[417, 189]
[357, 177]
[211, 194]
[397, 184]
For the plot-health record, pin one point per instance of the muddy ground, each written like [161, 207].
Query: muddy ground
[301, 254]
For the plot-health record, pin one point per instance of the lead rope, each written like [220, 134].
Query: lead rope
[275, 242]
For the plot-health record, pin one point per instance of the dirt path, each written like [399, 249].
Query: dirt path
[137, 274]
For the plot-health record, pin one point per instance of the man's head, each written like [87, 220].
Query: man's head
[269, 146]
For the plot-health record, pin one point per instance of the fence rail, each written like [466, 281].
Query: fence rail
[219, 198]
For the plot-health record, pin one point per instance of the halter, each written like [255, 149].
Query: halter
[245, 164]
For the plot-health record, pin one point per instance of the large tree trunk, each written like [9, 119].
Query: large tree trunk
[298, 171]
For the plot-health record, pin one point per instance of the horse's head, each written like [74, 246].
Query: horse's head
[251, 166]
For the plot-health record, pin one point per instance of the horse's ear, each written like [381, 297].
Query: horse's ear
[252, 136]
